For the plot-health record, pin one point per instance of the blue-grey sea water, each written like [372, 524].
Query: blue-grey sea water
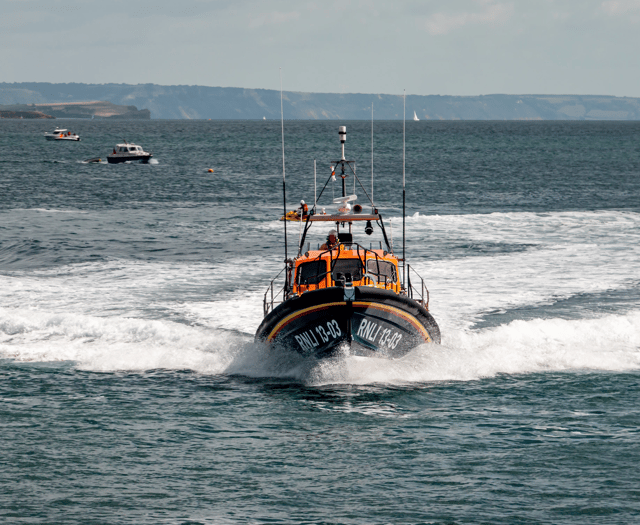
[132, 392]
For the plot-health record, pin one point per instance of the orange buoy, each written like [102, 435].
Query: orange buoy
[210, 170]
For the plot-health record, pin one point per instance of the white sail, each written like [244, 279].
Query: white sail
[415, 117]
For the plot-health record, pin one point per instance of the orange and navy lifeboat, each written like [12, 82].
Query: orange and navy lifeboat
[344, 295]
[348, 297]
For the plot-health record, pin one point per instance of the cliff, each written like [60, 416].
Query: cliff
[23, 114]
[92, 109]
[200, 102]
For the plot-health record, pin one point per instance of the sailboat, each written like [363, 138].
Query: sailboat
[415, 117]
[344, 295]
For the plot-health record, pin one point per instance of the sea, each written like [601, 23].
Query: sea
[132, 390]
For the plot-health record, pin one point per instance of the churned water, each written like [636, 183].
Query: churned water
[132, 391]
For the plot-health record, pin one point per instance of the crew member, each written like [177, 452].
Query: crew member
[331, 241]
[304, 209]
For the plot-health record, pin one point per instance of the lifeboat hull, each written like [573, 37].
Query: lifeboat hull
[367, 321]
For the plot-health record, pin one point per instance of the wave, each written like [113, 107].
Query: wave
[51, 210]
[535, 301]
[110, 344]
[107, 344]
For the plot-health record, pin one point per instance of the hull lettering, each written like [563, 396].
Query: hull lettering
[369, 330]
[318, 335]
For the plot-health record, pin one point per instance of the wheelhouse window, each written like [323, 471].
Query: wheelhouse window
[383, 270]
[347, 269]
[311, 272]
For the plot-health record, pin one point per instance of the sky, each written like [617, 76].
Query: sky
[426, 47]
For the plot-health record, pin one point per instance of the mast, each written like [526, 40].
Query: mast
[372, 156]
[342, 131]
[404, 200]
[284, 187]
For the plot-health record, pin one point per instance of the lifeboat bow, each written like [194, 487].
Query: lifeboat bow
[366, 320]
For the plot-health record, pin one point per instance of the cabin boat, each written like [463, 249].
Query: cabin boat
[128, 152]
[62, 134]
[345, 296]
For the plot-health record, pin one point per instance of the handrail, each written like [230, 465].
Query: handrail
[267, 304]
[271, 296]
[363, 259]
[422, 292]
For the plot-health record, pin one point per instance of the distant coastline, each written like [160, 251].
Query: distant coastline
[88, 109]
[24, 114]
[226, 103]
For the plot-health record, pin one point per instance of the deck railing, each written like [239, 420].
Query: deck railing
[418, 292]
[274, 297]
[362, 253]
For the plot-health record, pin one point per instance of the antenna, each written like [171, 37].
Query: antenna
[404, 200]
[372, 156]
[342, 131]
[284, 187]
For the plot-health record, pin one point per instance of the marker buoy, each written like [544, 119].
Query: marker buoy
[210, 170]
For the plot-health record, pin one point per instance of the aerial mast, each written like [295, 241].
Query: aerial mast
[284, 187]
[372, 206]
[342, 131]
[404, 200]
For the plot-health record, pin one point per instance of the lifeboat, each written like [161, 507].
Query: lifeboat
[345, 296]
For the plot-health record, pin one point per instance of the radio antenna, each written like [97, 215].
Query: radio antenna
[404, 200]
[284, 187]
[372, 156]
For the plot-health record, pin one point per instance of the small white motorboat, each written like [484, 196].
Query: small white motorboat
[62, 134]
[128, 152]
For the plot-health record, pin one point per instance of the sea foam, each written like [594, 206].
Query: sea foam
[107, 344]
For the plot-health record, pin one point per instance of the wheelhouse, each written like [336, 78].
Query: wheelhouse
[129, 148]
[345, 265]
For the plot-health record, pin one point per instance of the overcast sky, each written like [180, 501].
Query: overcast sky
[453, 47]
